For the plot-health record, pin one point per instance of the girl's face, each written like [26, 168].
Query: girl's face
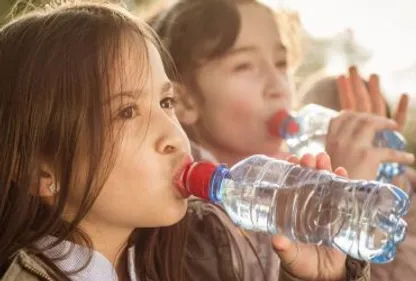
[244, 88]
[140, 190]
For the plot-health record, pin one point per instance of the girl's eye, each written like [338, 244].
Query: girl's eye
[281, 64]
[128, 112]
[168, 103]
[242, 67]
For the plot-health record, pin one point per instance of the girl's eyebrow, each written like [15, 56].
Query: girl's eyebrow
[125, 94]
[166, 87]
[134, 93]
[249, 49]
[242, 49]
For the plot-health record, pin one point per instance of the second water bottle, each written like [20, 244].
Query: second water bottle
[306, 130]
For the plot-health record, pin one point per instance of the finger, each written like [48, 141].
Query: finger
[349, 126]
[287, 250]
[377, 100]
[323, 162]
[400, 116]
[367, 127]
[340, 171]
[388, 155]
[363, 103]
[308, 161]
[293, 159]
[376, 123]
[336, 124]
[366, 131]
[346, 96]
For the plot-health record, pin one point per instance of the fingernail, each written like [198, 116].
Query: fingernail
[410, 157]
[321, 154]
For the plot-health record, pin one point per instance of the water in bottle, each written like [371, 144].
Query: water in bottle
[363, 219]
[305, 132]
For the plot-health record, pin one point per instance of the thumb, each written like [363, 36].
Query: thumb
[401, 112]
[287, 250]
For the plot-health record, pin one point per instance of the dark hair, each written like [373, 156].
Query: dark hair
[55, 73]
[196, 30]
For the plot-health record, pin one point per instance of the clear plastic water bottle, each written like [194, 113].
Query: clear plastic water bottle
[363, 219]
[305, 132]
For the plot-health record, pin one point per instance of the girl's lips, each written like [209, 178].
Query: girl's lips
[180, 173]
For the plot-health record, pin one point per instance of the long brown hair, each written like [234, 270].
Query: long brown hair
[55, 72]
[196, 30]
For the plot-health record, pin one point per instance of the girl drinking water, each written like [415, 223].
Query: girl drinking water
[234, 75]
[91, 152]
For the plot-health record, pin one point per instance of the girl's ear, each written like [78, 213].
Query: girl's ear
[45, 184]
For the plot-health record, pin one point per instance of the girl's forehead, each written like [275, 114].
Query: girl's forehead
[131, 65]
[140, 69]
[253, 19]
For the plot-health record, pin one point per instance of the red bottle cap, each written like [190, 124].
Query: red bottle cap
[282, 124]
[277, 121]
[292, 127]
[196, 179]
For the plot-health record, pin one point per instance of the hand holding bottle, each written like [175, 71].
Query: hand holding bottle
[308, 261]
[349, 143]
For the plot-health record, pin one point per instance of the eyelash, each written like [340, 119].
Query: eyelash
[242, 67]
[131, 111]
[172, 100]
[282, 64]
[122, 112]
